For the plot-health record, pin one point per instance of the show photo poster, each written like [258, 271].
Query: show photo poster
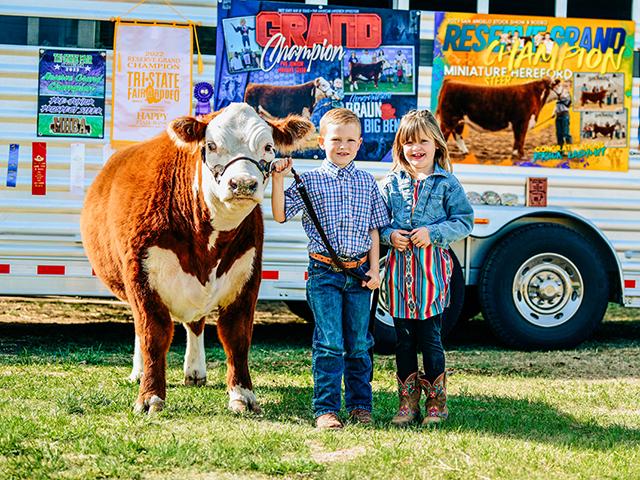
[534, 91]
[71, 87]
[152, 77]
[283, 58]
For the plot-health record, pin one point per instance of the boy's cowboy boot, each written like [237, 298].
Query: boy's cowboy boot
[436, 404]
[409, 393]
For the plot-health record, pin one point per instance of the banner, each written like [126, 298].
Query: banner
[38, 168]
[537, 92]
[152, 75]
[306, 59]
[71, 86]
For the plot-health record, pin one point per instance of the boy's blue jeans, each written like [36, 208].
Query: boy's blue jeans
[341, 339]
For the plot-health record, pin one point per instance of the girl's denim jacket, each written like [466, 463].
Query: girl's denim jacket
[442, 207]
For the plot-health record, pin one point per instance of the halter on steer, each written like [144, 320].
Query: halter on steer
[218, 170]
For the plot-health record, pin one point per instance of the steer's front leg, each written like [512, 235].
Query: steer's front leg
[154, 329]
[235, 327]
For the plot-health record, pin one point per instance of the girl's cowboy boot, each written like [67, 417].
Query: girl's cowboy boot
[436, 404]
[409, 393]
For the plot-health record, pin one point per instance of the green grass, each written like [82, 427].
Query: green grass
[65, 411]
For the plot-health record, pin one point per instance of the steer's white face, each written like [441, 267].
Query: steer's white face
[238, 145]
[237, 132]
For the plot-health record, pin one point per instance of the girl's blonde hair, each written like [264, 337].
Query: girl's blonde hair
[414, 125]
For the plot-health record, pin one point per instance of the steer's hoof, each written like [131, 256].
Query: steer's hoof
[194, 381]
[152, 405]
[238, 406]
[242, 406]
[242, 400]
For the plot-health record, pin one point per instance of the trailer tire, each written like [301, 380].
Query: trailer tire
[544, 287]
[384, 331]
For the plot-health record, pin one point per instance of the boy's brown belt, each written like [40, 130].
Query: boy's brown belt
[329, 261]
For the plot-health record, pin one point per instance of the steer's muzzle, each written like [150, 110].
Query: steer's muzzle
[243, 186]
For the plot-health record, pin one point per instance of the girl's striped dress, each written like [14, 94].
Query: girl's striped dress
[417, 280]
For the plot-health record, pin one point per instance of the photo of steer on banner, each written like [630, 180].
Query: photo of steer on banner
[243, 53]
[386, 69]
[609, 128]
[597, 91]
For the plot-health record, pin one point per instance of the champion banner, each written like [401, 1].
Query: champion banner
[537, 92]
[151, 80]
[71, 86]
[283, 58]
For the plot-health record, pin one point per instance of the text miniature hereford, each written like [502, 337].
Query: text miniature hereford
[173, 226]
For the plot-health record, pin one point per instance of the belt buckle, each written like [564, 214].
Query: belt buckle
[335, 267]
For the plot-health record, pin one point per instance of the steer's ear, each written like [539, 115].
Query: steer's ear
[188, 132]
[289, 134]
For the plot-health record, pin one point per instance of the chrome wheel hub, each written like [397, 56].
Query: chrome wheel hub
[548, 290]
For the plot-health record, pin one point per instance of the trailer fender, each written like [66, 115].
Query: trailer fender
[497, 222]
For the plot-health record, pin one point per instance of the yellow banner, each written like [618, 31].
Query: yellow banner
[534, 91]
[152, 77]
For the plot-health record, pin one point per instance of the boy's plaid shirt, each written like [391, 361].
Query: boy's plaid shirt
[348, 204]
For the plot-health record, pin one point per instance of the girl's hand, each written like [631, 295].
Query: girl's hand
[374, 281]
[282, 167]
[399, 240]
[420, 237]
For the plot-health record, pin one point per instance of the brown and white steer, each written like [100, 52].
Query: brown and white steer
[178, 234]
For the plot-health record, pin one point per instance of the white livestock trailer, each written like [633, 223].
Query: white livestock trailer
[542, 276]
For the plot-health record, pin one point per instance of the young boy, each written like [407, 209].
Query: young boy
[351, 209]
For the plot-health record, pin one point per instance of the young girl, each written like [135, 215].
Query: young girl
[429, 211]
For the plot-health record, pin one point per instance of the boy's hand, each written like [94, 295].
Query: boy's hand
[282, 167]
[374, 279]
[399, 240]
[420, 237]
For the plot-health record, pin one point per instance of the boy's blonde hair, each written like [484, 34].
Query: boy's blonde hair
[414, 125]
[339, 116]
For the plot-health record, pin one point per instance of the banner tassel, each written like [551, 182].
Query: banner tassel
[200, 62]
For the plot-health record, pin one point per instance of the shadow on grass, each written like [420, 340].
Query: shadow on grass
[490, 415]
[498, 416]
[117, 337]
[537, 421]
[476, 333]
[613, 353]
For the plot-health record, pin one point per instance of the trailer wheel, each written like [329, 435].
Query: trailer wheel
[385, 334]
[544, 286]
[300, 308]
